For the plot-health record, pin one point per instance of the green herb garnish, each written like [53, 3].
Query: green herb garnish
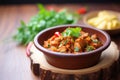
[74, 32]
[95, 40]
[89, 48]
[44, 19]
[65, 42]
[48, 45]
[76, 49]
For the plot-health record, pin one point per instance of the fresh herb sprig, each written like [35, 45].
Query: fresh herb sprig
[44, 19]
[74, 32]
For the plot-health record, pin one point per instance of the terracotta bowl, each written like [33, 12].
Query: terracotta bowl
[95, 13]
[71, 61]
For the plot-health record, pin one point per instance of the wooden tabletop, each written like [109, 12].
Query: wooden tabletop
[14, 64]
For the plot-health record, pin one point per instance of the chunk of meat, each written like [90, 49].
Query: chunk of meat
[62, 49]
[94, 36]
[83, 35]
[81, 42]
[46, 44]
[53, 48]
[56, 41]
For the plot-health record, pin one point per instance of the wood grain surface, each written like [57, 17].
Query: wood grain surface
[14, 64]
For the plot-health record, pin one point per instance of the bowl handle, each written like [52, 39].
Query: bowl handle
[28, 53]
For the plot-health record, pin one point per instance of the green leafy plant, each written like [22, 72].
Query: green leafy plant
[42, 20]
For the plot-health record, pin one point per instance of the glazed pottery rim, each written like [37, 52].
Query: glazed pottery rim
[41, 48]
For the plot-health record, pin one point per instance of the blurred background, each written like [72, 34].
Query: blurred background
[56, 1]
[14, 63]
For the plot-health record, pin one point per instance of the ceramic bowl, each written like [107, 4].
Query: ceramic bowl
[95, 13]
[71, 61]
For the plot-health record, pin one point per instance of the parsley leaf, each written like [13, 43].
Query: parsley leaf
[76, 49]
[75, 32]
[89, 48]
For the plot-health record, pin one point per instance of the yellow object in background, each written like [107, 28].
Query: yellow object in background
[105, 20]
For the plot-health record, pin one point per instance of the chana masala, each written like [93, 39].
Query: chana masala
[72, 40]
